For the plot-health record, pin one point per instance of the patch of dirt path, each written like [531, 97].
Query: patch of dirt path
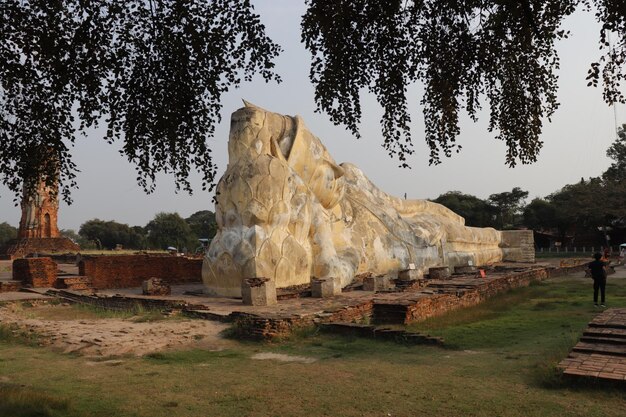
[115, 337]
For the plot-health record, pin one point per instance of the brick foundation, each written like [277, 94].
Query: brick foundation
[23, 247]
[35, 272]
[125, 271]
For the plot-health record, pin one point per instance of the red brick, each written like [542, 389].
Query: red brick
[35, 272]
[125, 271]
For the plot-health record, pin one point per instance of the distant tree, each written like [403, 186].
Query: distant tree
[477, 212]
[580, 207]
[7, 232]
[77, 238]
[202, 224]
[509, 205]
[108, 234]
[137, 238]
[71, 234]
[169, 229]
[617, 152]
[540, 214]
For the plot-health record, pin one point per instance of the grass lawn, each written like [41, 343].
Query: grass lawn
[499, 361]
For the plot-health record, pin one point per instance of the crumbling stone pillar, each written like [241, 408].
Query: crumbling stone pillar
[258, 292]
[410, 274]
[156, 286]
[325, 287]
[377, 283]
[439, 272]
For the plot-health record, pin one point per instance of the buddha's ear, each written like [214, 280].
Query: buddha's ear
[250, 105]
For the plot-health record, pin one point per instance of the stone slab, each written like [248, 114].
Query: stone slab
[439, 272]
[377, 283]
[325, 287]
[410, 274]
[258, 292]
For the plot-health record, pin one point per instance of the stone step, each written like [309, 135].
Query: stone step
[207, 315]
[75, 282]
[375, 332]
[605, 332]
[608, 325]
[389, 313]
[603, 339]
[10, 286]
[605, 349]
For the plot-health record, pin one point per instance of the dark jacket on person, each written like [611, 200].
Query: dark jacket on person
[597, 269]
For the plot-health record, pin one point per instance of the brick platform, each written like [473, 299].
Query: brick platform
[601, 351]
[355, 306]
[24, 247]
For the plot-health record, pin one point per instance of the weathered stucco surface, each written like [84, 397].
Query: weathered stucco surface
[288, 212]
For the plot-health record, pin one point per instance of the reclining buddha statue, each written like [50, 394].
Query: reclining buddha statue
[288, 212]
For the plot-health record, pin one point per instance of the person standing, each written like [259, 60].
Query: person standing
[597, 270]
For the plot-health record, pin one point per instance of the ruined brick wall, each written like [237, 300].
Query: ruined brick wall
[124, 271]
[442, 303]
[518, 245]
[35, 272]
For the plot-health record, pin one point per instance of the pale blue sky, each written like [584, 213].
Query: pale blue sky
[574, 142]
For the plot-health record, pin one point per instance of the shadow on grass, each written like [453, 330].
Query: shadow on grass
[18, 401]
[193, 356]
[14, 334]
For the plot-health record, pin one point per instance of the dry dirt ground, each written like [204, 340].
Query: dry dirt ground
[71, 330]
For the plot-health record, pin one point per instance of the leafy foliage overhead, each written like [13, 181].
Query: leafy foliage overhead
[463, 52]
[154, 70]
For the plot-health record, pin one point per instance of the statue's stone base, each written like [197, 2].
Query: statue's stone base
[377, 283]
[468, 269]
[325, 288]
[439, 272]
[410, 274]
[21, 248]
[258, 292]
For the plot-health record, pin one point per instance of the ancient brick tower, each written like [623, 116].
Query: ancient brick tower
[38, 232]
[39, 214]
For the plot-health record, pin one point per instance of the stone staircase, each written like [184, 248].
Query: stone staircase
[381, 333]
[73, 282]
[601, 351]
